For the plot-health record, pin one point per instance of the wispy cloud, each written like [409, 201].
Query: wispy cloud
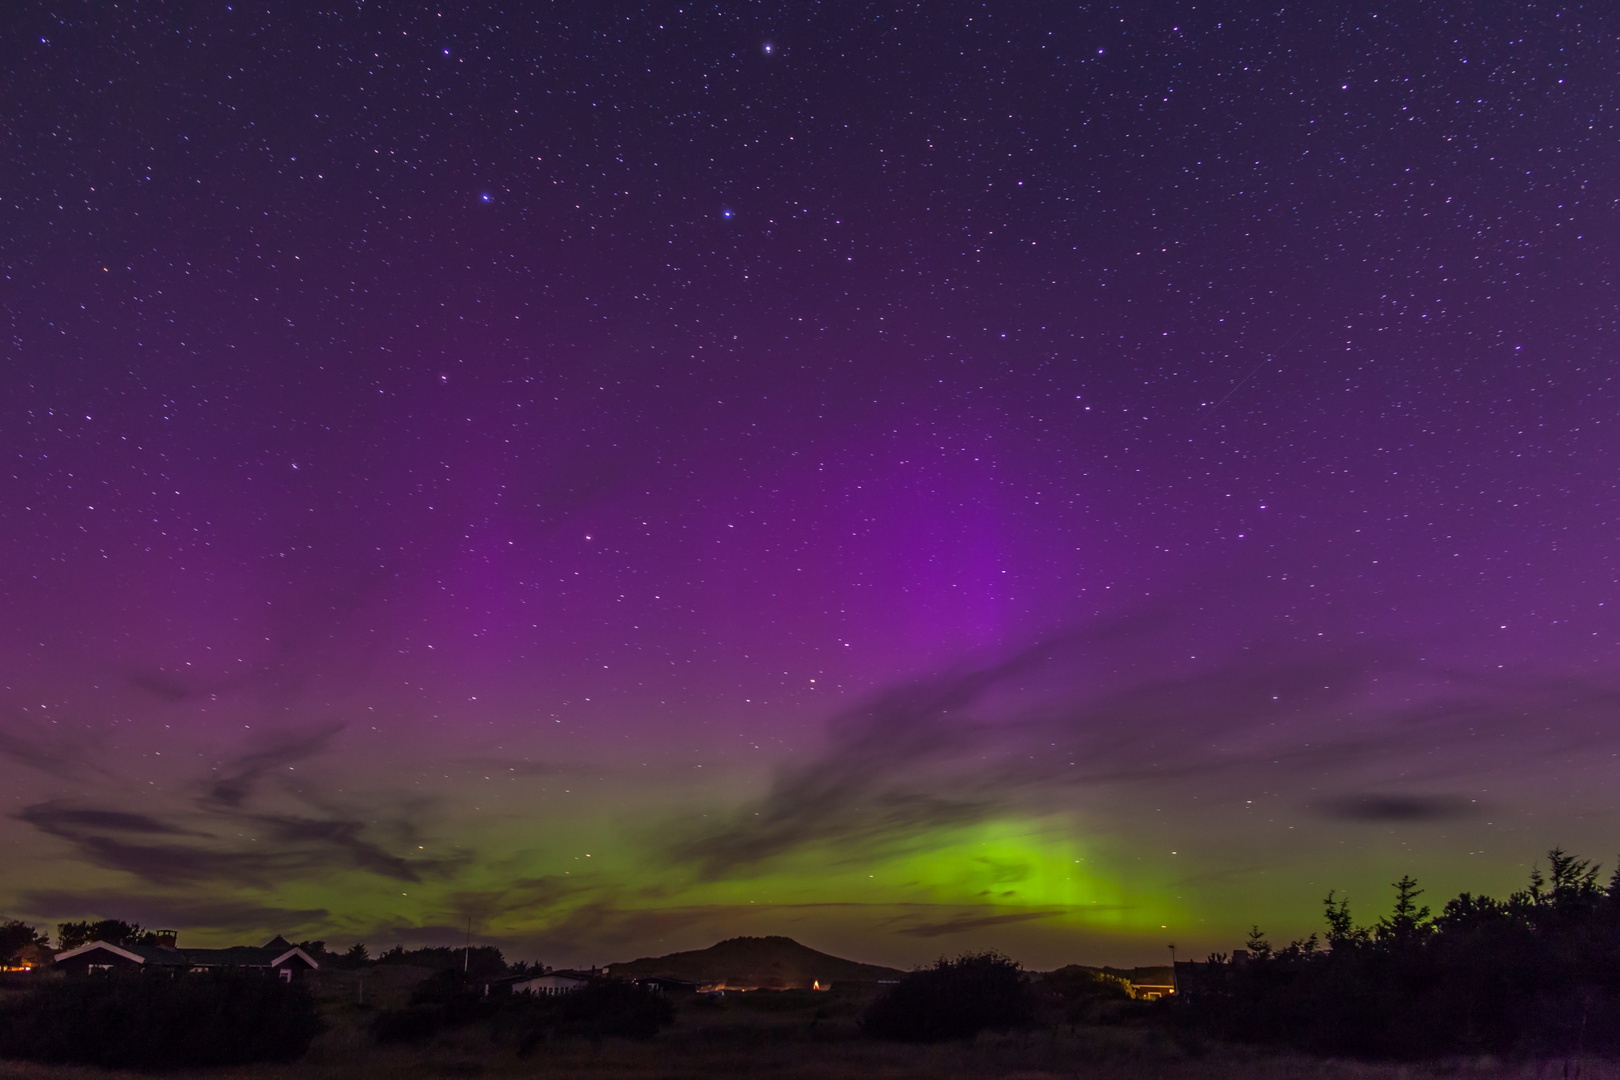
[969, 921]
[227, 836]
[1359, 733]
[241, 775]
[1376, 808]
[156, 910]
[37, 746]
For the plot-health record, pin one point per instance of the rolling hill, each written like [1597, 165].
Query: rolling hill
[747, 963]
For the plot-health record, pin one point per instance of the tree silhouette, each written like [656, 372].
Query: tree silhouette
[1408, 921]
[113, 931]
[1534, 974]
[15, 935]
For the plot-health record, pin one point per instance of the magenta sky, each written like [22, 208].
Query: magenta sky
[1063, 481]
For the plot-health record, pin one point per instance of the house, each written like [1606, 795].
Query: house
[668, 984]
[105, 956]
[1197, 979]
[553, 983]
[1152, 991]
[278, 956]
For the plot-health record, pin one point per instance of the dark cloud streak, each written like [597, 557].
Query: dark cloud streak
[1118, 706]
[226, 839]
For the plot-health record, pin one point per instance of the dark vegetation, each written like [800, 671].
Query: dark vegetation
[1534, 976]
[70, 935]
[608, 1008]
[154, 1020]
[1537, 974]
[15, 936]
[954, 999]
[1082, 995]
[482, 962]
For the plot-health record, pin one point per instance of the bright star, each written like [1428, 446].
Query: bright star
[485, 196]
[726, 214]
[768, 48]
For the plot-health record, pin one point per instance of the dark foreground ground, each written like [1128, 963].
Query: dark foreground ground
[794, 1036]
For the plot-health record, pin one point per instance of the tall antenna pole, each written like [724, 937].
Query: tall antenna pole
[466, 957]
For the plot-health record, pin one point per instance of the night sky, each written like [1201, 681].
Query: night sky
[1066, 478]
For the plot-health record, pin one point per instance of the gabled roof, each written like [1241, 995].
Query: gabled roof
[247, 956]
[168, 956]
[157, 955]
[94, 946]
[235, 956]
[292, 952]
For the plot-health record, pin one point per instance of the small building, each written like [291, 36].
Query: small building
[277, 956]
[553, 983]
[1151, 991]
[668, 984]
[105, 956]
[503, 985]
[1197, 979]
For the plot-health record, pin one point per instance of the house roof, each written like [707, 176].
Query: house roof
[249, 956]
[157, 955]
[169, 956]
[560, 976]
[292, 952]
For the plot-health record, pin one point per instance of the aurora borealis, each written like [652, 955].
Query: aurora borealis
[1064, 478]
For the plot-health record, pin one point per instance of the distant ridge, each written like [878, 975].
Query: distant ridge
[749, 963]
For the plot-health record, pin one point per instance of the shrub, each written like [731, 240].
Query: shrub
[16, 935]
[1532, 975]
[479, 962]
[613, 1008]
[609, 1008]
[445, 999]
[954, 999]
[414, 1023]
[155, 1020]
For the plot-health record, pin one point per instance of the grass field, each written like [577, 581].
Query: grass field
[790, 1036]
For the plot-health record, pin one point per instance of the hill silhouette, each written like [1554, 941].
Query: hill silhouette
[748, 963]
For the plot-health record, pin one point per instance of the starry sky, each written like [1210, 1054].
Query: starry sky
[1065, 478]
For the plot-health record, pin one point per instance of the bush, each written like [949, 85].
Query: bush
[1534, 975]
[156, 1020]
[415, 1023]
[609, 1008]
[604, 1009]
[15, 935]
[445, 999]
[479, 962]
[954, 999]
